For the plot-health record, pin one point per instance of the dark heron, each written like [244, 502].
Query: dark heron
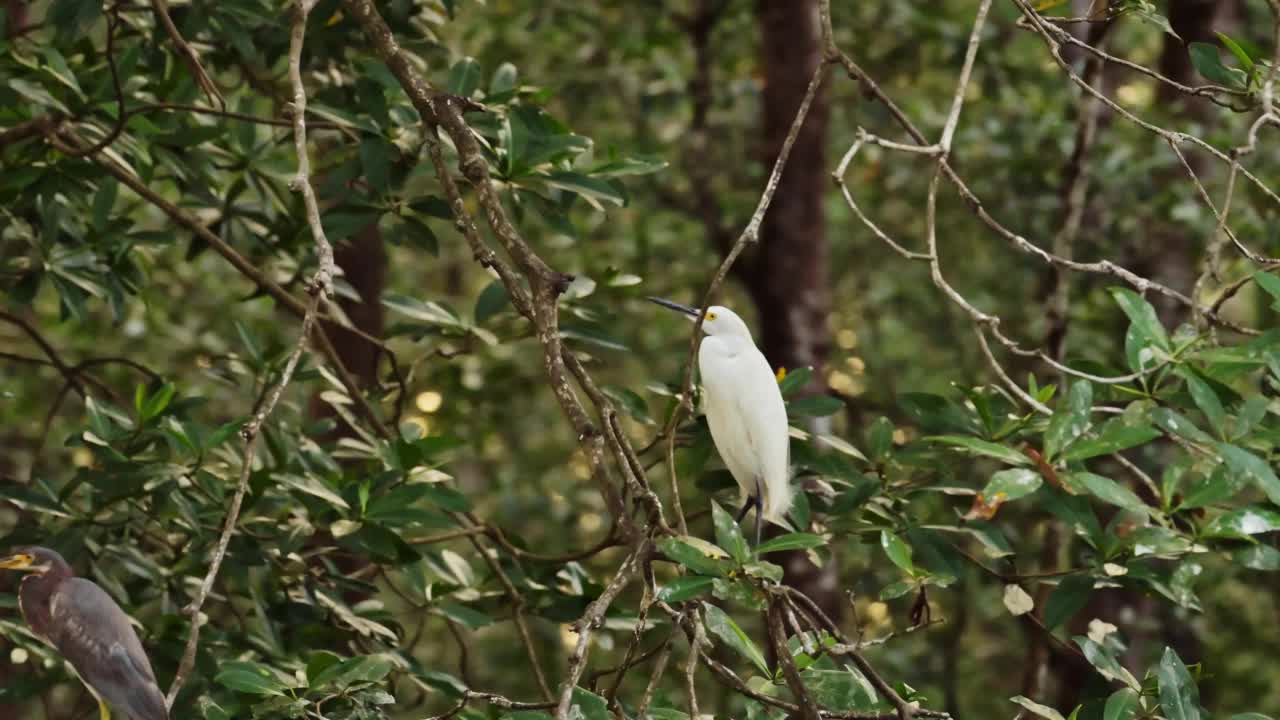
[82, 622]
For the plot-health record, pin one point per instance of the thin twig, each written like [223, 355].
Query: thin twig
[188, 54]
[318, 288]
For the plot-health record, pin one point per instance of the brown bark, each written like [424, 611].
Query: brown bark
[1170, 254]
[363, 260]
[788, 275]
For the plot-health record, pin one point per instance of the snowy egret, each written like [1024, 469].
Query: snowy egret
[745, 411]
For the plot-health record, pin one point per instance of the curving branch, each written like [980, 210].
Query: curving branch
[319, 288]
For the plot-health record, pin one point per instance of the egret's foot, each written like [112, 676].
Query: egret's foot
[746, 506]
[104, 712]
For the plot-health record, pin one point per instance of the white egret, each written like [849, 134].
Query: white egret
[745, 411]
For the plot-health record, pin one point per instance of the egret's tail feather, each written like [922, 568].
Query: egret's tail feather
[777, 503]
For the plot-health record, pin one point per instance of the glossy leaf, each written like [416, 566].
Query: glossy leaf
[897, 550]
[1179, 697]
[1252, 467]
[1121, 705]
[684, 588]
[1106, 490]
[1071, 595]
[1012, 484]
[696, 554]
[982, 447]
[728, 534]
[723, 628]
[791, 541]
[1069, 421]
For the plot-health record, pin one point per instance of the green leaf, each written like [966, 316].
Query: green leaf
[1143, 319]
[464, 615]
[791, 541]
[696, 554]
[586, 705]
[375, 159]
[728, 534]
[1242, 523]
[1246, 62]
[586, 186]
[880, 438]
[464, 77]
[416, 233]
[1179, 697]
[1036, 708]
[1112, 437]
[982, 447]
[318, 661]
[763, 570]
[157, 402]
[845, 689]
[1207, 400]
[1220, 484]
[684, 588]
[1155, 540]
[1207, 62]
[71, 19]
[1067, 599]
[1069, 421]
[504, 79]
[363, 668]
[630, 166]
[727, 631]
[1258, 557]
[250, 677]
[739, 591]
[493, 300]
[1106, 490]
[1271, 284]
[1012, 483]
[897, 589]
[1252, 467]
[1172, 422]
[1106, 664]
[794, 380]
[426, 311]
[898, 551]
[313, 485]
[1122, 705]
[814, 406]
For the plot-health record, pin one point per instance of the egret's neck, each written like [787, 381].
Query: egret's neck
[728, 345]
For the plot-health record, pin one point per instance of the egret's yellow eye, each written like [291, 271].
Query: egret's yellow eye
[711, 316]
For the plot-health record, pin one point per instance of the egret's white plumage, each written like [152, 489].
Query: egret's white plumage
[744, 409]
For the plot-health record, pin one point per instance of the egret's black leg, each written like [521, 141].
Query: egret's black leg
[759, 512]
[745, 507]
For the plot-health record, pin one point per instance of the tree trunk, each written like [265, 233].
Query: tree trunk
[789, 281]
[788, 275]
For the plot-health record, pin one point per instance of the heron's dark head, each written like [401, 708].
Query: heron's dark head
[34, 559]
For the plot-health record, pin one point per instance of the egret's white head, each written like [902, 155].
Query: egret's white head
[720, 320]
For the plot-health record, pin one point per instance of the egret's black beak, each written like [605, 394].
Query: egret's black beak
[690, 312]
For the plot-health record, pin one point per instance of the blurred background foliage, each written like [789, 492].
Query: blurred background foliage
[631, 142]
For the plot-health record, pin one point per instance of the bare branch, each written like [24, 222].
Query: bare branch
[318, 288]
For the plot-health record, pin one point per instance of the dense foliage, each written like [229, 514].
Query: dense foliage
[448, 511]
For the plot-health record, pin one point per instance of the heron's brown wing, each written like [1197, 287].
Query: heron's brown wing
[94, 634]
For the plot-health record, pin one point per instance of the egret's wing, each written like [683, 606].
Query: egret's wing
[748, 422]
[95, 635]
